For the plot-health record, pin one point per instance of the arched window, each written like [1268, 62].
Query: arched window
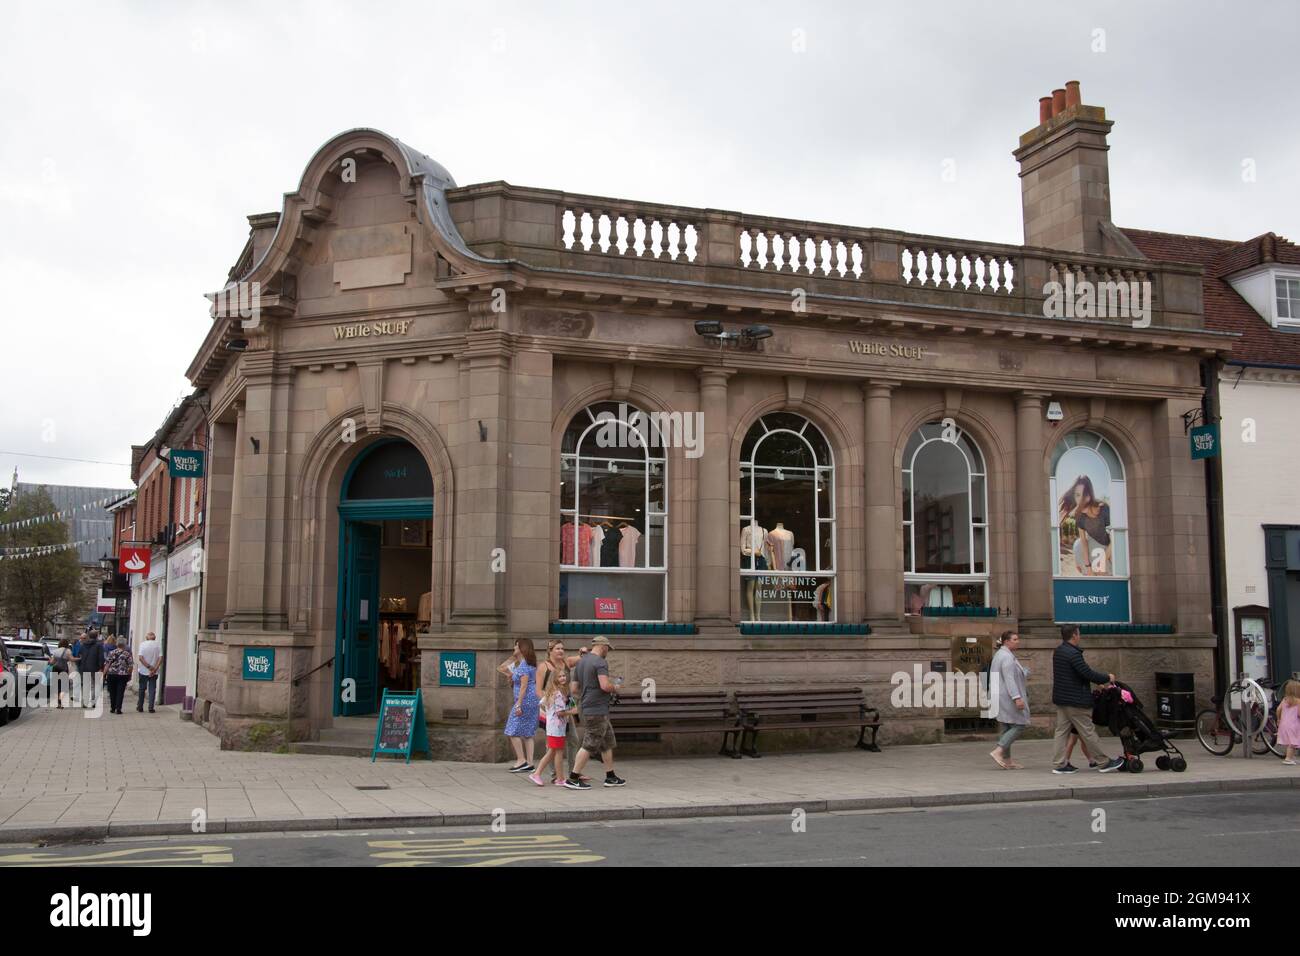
[613, 516]
[945, 520]
[787, 521]
[1089, 505]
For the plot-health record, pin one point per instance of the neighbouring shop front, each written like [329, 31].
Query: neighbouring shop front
[473, 414]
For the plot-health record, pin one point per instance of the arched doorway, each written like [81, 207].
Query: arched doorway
[385, 573]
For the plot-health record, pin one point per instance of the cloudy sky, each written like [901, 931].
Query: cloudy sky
[136, 137]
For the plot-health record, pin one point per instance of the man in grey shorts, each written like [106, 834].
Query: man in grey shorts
[597, 689]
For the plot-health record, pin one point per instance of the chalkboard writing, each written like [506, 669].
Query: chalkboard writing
[401, 727]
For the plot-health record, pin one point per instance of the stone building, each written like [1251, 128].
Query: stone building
[751, 450]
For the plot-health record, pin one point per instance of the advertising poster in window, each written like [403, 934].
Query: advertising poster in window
[1085, 515]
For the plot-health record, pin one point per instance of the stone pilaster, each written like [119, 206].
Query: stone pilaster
[884, 580]
[714, 570]
[1033, 542]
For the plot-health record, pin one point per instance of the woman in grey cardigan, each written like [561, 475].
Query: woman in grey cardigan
[1012, 700]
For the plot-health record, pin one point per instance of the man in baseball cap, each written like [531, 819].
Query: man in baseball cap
[598, 690]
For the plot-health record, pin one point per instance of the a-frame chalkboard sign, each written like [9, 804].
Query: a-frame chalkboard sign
[401, 727]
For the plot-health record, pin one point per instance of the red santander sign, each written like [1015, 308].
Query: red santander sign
[133, 560]
[609, 609]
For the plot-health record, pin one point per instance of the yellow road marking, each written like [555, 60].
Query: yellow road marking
[133, 856]
[482, 851]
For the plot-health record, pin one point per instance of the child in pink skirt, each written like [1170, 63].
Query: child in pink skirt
[1288, 720]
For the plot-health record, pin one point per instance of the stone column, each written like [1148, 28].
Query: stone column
[714, 573]
[217, 521]
[236, 507]
[1033, 543]
[883, 579]
[482, 482]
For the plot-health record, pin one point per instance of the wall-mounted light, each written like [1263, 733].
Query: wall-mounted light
[482, 431]
[257, 445]
[712, 329]
[237, 345]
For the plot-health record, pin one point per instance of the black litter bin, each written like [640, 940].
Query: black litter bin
[1175, 701]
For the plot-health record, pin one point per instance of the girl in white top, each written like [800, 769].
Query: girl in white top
[554, 706]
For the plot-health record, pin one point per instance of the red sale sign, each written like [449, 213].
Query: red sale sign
[132, 560]
[609, 609]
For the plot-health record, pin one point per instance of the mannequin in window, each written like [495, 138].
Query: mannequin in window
[780, 543]
[754, 554]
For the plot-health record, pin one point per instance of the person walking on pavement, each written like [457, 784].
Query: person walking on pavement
[150, 664]
[118, 673]
[1071, 693]
[72, 671]
[60, 667]
[597, 691]
[1012, 700]
[521, 728]
[90, 669]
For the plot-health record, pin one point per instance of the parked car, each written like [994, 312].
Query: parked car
[31, 663]
[9, 674]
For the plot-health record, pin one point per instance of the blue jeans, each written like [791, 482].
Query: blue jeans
[1010, 733]
[150, 680]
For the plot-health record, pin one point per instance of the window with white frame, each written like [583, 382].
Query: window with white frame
[945, 520]
[1288, 300]
[613, 516]
[787, 522]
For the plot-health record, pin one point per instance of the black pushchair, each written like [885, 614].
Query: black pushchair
[1138, 735]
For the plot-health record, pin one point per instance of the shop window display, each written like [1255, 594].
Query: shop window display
[945, 520]
[613, 517]
[787, 522]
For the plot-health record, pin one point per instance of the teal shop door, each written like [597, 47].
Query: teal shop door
[361, 618]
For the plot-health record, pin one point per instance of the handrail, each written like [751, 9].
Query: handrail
[303, 677]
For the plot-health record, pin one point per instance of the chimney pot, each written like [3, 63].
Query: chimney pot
[1058, 102]
[1073, 97]
[1044, 109]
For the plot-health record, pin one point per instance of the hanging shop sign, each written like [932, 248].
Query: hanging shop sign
[401, 727]
[134, 560]
[259, 663]
[1090, 600]
[456, 668]
[1205, 441]
[609, 609]
[185, 463]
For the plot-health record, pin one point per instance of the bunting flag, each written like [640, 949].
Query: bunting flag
[59, 515]
[40, 550]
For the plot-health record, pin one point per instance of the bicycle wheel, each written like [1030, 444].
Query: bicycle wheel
[1267, 740]
[1214, 735]
[1248, 694]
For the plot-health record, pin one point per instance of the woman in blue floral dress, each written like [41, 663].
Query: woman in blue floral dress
[521, 728]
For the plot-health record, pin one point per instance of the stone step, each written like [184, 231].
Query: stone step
[334, 749]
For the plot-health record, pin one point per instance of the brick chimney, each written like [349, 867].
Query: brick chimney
[1064, 177]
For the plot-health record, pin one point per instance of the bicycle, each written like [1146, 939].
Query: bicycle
[1219, 728]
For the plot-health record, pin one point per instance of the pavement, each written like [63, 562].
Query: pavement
[66, 778]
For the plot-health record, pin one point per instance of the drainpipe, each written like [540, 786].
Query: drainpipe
[1214, 512]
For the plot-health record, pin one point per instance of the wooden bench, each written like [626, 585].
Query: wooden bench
[805, 708]
[684, 712]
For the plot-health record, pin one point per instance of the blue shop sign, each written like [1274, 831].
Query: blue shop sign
[1205, 441]
[456, 669]
[259, 663]
[1090, 600]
